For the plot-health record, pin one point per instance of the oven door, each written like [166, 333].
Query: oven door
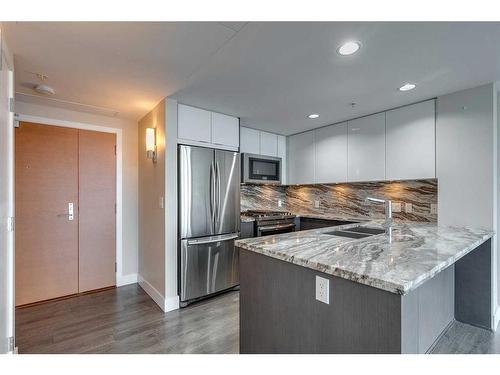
[260, 169]
[268, 230]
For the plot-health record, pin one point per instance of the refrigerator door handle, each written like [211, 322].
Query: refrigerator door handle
[217, 205]
[212, 240]
[212, 197]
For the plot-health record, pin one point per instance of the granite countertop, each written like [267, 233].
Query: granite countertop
[418, 252]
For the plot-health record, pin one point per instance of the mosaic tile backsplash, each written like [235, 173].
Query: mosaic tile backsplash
[347, 199]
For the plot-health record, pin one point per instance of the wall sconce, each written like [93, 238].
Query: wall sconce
[151, 144]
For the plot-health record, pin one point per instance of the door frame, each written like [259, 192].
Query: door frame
[121, 279]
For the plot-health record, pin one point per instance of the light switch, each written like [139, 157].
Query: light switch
[160, 203]
[434, 208]
[408, 208]
[316, 204]
[323, 290]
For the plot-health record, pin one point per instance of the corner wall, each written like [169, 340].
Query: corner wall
[466, 161]
[151, 212]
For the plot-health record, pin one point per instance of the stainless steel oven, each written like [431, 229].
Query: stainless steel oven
[267, 223]
[259, 169]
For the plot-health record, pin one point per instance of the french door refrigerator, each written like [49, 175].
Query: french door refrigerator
[209, 221]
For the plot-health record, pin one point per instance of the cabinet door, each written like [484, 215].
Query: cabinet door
[366, 148]
[268, 144]
[193, 124]
[411, 142]
[225, 130]
[282, 155]
[331, 153]
[301, 158]
[249, 140]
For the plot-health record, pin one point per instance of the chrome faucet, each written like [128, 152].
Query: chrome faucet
[388, 213]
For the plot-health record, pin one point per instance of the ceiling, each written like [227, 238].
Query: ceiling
[271, 75]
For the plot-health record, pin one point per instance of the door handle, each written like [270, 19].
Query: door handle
[212, 195]
[70, 212]
[212, 240]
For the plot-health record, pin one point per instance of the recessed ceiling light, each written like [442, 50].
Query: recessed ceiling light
[313, 116]
[349, 48]
[407, 87]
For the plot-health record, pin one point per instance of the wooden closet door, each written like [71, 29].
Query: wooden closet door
[97, 238]
[46, 180]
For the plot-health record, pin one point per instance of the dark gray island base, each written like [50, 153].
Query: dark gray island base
[280, 314]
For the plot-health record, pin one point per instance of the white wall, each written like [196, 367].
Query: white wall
[130, 177]
[498, 207]
[151, 207]
[466, 159]
[171, 217]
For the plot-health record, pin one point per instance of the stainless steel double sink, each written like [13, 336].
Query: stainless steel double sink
[358, 232]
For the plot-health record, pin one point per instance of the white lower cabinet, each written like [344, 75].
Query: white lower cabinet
[331, 154]
[366, 148]
[410, 140]
[301, 158]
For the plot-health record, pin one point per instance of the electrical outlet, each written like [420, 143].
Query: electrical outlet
[316, 204]
[396, 207]
[434, 208]
[323, 290]
[280, 203]
[408, 208]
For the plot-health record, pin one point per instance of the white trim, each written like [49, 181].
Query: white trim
[123, 280]
[119, 174]
[496, 318]
[152, 292]
[189, 142]
[172, 303]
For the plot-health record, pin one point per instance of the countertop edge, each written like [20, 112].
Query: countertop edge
[388, 286]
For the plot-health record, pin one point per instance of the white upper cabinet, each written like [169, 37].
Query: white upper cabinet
[225, 130]
[331, 153]
[249, 140]
[268, 144]
[411, 142]
[366, 148]
[301, 158]
[196, 125]
[193, 124]
[282, 155]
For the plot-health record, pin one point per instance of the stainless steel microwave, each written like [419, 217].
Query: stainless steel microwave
[259, 169]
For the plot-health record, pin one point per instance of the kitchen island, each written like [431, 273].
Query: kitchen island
[386, 295]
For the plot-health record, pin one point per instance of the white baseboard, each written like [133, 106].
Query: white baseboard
[152, 292]
[497, 318]
[172, 303]
[122, 280]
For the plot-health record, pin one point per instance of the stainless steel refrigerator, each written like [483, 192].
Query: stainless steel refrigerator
[209, 221]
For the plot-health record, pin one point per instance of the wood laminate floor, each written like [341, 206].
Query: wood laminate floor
[126, 320]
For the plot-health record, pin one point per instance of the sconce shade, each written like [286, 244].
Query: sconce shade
[150, 140]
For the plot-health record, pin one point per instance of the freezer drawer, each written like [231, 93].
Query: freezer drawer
[208, 265]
